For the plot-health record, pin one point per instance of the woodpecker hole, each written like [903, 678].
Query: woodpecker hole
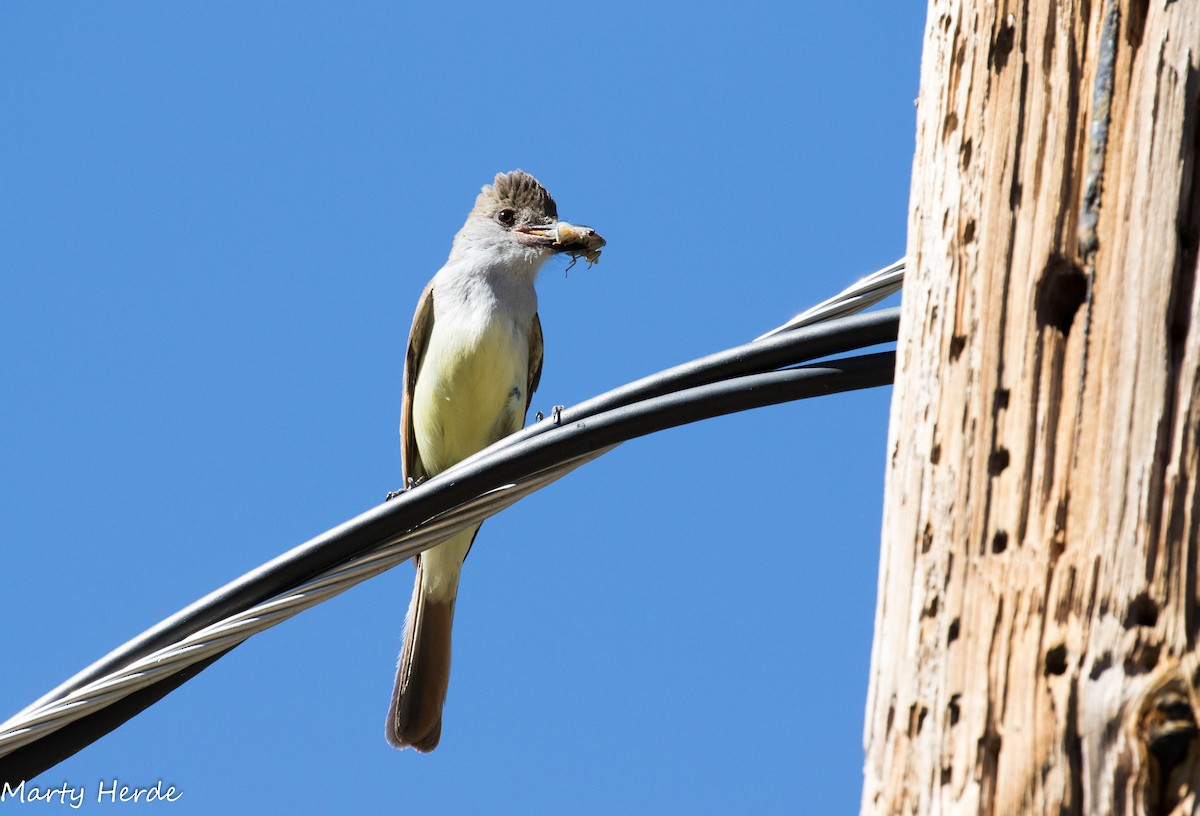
[998, 462]
[999, 542]
[1056, 660]
[1061, 290]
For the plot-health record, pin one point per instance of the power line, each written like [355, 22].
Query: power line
[142, 671]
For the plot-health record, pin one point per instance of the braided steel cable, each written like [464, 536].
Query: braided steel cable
[136, 675]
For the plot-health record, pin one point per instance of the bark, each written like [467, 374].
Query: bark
[1035, 640]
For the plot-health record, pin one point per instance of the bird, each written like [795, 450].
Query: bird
[473, 361]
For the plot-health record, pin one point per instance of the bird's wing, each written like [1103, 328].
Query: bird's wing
[418, 341]
[535, 359]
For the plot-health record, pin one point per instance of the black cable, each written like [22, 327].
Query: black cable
[294, 567]
[791, 348]
[647, 405]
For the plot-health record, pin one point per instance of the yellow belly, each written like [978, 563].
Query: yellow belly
[470, 392]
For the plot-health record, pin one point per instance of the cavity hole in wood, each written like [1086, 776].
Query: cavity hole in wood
[1061, 290]
[1143, 611]
[1002, 45]
[935, 455]
[998, 462]
[1002, 395]
[999, 542]
[969, 231]
[953, 709]
[1056, 660]
[957, 343]
[967, 148]
[1136, 22]
[952, 632]
[926, 539]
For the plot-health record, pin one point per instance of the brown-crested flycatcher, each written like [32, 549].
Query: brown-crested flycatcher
[474, 359]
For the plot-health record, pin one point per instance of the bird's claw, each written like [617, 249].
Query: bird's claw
[409, 485]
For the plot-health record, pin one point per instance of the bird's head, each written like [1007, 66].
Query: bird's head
[515, 221]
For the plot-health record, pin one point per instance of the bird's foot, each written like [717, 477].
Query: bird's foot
[409, 486]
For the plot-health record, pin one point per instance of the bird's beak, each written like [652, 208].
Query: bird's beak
[563, 237]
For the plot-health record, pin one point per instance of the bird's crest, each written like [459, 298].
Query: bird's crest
[518, 190]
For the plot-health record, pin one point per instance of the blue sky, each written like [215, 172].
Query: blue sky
[215, 220]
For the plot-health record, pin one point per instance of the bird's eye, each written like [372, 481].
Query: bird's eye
[507, 217]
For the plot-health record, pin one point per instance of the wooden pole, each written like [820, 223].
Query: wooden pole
[1035, 639]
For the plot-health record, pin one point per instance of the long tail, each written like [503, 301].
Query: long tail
[423, 672]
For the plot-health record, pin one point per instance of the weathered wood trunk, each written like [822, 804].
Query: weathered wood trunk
[1035, 642]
